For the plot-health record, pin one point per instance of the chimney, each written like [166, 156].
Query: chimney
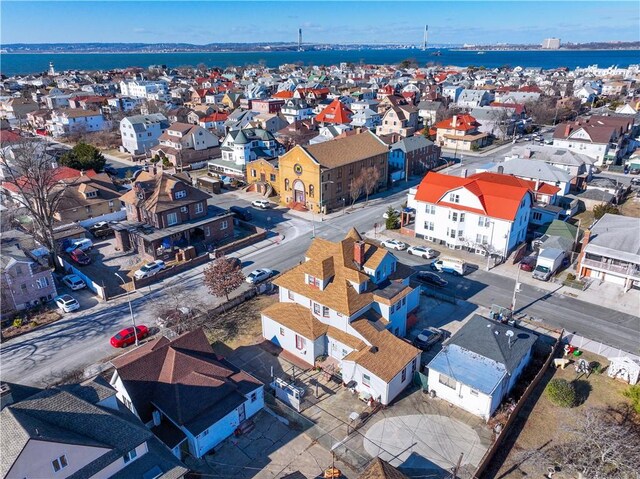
[358, 253]
[454, 120]
[81, 172]
[537, 184]
[567, 129]
[585, 241]
[464, 173]
[6, 397]
[527, 152]
[501, 169]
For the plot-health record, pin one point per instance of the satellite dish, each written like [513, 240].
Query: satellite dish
[509, 334]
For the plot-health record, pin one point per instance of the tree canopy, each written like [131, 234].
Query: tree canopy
[84, 157]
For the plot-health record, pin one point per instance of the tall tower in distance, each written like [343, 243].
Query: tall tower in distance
[52, 71]
[299, 39]
[426, 37]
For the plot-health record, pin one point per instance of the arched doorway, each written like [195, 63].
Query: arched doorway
[298, 192]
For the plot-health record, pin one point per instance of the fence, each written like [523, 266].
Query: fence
[115, 216]
[92, 285]
[488, 457]
[596, 347]
[447, 298]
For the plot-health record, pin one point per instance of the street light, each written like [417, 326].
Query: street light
[135, 330]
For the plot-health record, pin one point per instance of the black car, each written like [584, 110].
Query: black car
[432, 279]
[635, 181]
[101, 230]
[427, 338]
[241, 213]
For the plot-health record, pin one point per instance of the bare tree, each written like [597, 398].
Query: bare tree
[32, 178]
[502, 122]
[356, 186]
[178, 307]
[370, 178]
[223, 277]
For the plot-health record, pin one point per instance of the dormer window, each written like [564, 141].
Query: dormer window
[91, 194]
[180, 194]
[313, 281]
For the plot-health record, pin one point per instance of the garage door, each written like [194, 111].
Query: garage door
[610, 278]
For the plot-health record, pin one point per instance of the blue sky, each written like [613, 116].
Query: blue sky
[333, 22]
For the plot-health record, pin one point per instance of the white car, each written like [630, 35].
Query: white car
[386, 214]
[84, 244]
[149, 269]
[74, 282]
[394, 244]
[66, 303]
[258, 275]
[422, 251]
[264, 204]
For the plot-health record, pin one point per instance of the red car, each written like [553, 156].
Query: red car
[125, 337]
[80, 257]
[528, 263]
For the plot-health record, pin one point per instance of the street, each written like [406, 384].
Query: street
[81, 339]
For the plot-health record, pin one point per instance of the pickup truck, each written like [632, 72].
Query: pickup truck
[549, 261]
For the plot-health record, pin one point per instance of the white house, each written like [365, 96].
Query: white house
[366, 119]
[77, 120]
[474, 98]
[348, 301]
[149, 90]
[295, 109]
[240, 147]
[141, 132]
[486, 212]
[480, 364]
[185, 393]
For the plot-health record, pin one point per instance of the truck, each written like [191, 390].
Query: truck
[549, 261]
[449, 265]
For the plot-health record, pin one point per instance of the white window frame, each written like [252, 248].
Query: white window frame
[170, 217]
[446, 381]
[130, 456]
[180, 194]
[366, 380]
[199, 208]
[59, 463]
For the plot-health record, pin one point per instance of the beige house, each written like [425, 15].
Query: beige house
[91, 195]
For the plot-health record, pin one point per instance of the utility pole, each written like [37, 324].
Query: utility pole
[516, 288]
[454, 472]
[133, 320]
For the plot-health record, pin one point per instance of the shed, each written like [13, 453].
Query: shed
[625, 368]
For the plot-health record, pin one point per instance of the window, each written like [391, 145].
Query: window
[325, 312]
[366, 380]
[536, 216]
[42, 283]
[453, 198]
[404, 375]
[286, 184]
[316, 308]
[172, 219]
[461, 217]
[414, 365]
[338, 187]
[452, 233]
[204, 433]
[447, 381]
[481, 220]
[479, 238]
[130, 456]
[392, 308]
[281, 331]
[224, 225]
[199, 208]
[300, 342]
[454, 216]
[181, 194]
[428, 225]
[253, 397]
[312, 190]
[253, 173]
[473, 392]
[272, 177]
[59, 463]
[290, 295]
[404, 301]
[23, 287]
[18, 270]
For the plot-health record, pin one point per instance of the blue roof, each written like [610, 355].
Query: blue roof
[469, 368]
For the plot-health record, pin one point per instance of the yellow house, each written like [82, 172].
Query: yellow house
[263, 172]
[318, 176]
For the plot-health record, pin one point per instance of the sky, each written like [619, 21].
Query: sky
[339, 21]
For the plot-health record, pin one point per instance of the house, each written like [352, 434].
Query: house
[533, 170]
[38, 119]
[165, 213]
[611, 251]
[89, 195]
[366, 119]
[452, 92]
[123, 103]
[270, 122]
[78, 430]
[331, 132]
[17, 108]
[586, 94]
[317, 177]
[474, 98]
[214, 122]
[231, 100]
[604, 138]
[297, 133]
[145, 89]
[348, 301]
[336, 113]
[264, 173]
[380, 469]
[414, 155]
[557, 235]
[460, 132]
[430, 111]
[66, 122]
[27, 279]
[484, 213]
[497, 121]
[240, 147]
[267, 105]
[183, 144]
[185, 393]
[480, 364]
[296, 109]
[178, 115]
[141, 132]
[401, 120]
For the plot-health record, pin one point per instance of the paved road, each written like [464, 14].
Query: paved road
[81, 339]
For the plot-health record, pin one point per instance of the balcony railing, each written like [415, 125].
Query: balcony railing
[630, 270]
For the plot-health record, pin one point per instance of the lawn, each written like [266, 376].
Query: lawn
[631, 207]
[541, 422]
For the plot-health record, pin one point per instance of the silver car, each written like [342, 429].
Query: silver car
[67, 303]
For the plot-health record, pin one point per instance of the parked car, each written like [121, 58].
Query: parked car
[80, 257]
[74, 282]
[432, 279]
[66, 303]
[150, 269]
[394, 244]
[422, 251]
[386, 214]
[634, 171]
[528, 263]
[427, 338]
[241, 213]
[101, 229]
[635, 181]
[126, 337]
[449, 265]
[264, 204]
[84, 244]
[258, 275]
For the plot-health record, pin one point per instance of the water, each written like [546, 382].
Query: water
[12, 64]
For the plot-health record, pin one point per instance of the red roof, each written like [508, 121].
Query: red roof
[283, 94]
[530, 89]
[518, 107]
[336, 113]
[62, 173]
[463, 123]
[215, 117]
[499, 196]
[8, 136]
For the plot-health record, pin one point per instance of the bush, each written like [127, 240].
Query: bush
[475, 147]
[561, 392]
[571, 277]
[596, 367]
[392, 222]
[633, 393]
[166, 163]
[17, 322]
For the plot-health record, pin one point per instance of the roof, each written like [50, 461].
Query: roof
[462, 123]
[379, 469]
[349, 149]
[297, 318]
[335, 112]
[552, 154]
[529, 168]
[599, 129]
[499, 195]
[412, 143]
[173, 375]
[616, 236]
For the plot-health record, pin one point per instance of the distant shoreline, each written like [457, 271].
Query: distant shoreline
[549, 50]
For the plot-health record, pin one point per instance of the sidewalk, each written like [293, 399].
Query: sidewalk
[607, 295]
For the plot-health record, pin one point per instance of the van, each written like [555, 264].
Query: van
[84, 244]
[241, 213]
[449, 265]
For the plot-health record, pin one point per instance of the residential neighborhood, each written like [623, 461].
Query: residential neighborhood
[343, 269]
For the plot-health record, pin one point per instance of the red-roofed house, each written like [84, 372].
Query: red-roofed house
[214, 122]
[335, 114]
[484, 212]
[460, 132]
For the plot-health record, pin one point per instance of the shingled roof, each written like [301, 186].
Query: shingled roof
[349, 149]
